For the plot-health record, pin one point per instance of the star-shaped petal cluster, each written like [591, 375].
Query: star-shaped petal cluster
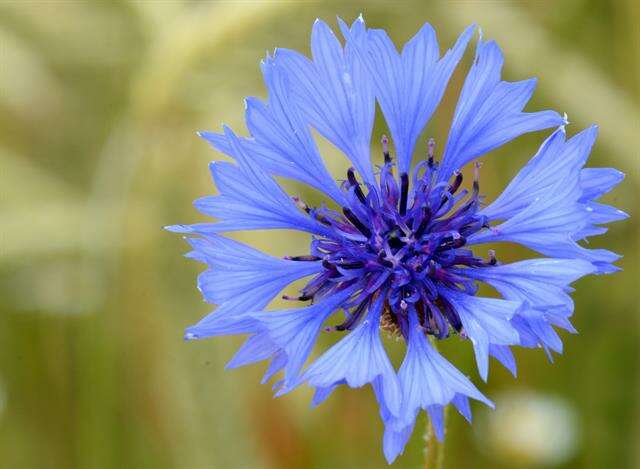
[397, 255]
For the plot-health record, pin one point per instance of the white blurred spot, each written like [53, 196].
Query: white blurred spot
[530, 428]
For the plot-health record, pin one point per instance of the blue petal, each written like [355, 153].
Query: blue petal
[555, 162]
[461, 403]
[282, 142]
[596, 182]
[295, 331]
[548, 226]
[237, 270]
[334, 93]
[503, 354]
[250, 199]
[396, 435]
[241, 279]
[258, 347]
[427, 379]
[542, 329]
[485, 321]
[280, 128]
[547, 206]
[394, 441]
[358, 359]
[322, 394]
[278, 362]
[543, 285]
[600, 213]
[540, 282]
[527, 337]
[409, 86]
[536, 331]
[559, 163]
[489, 112]
[228, 319]
[271, 160]
[436, 415]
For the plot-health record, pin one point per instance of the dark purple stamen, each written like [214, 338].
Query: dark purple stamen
[351, 177]
[356, 222]
[426, 218]
[404, 193]
[351, 265]
[353, 317]
[328, 265]
[456, 183]
[452, 242]
[302, 258]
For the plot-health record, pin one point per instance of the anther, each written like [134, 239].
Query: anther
[476, 177]
[297, 298]
[456, 182]
[302, 258]
[351, 265]
[328, 265]
[492, 257]
[385, 149]
[362, 228]
[351, 177]
[301, 205]
[404, 193]
[431, 149]
[456, 240]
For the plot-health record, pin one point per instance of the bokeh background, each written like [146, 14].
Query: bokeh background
[99, 104]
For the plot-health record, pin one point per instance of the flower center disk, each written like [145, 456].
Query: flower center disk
[404, 239]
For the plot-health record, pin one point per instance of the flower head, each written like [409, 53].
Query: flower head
[400, 253]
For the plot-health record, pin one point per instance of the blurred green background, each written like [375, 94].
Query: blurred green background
[99, 102]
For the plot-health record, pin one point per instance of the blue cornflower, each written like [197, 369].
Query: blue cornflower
[397, 255]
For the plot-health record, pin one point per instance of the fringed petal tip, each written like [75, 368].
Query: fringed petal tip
[178, 228]
[394, 442]
[604, 268]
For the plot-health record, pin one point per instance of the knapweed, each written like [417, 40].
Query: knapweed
[400, 251]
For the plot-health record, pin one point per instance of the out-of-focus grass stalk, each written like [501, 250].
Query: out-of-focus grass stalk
[29, 90]
[191, 35]
[434, 449]
[176, 42]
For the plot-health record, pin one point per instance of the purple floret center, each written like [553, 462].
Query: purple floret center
[404, 238]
